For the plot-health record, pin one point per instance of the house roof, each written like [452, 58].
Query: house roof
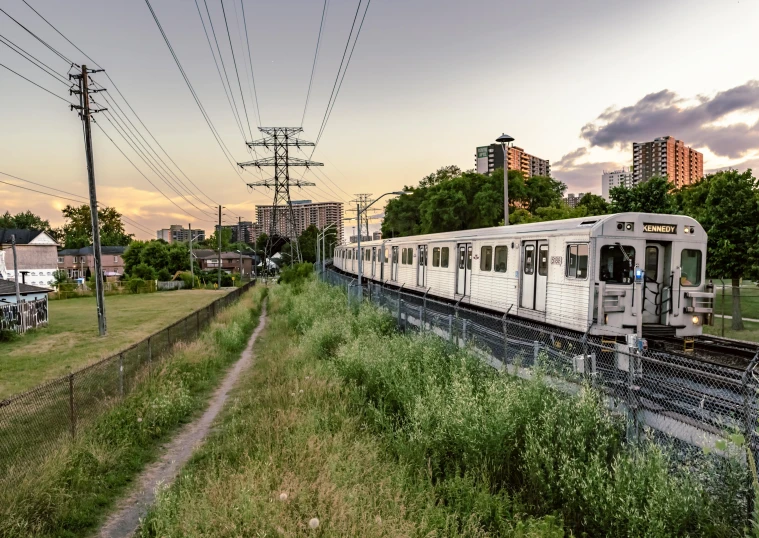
[224, 256]
[23, 237]
[8, 287]
[113, 251]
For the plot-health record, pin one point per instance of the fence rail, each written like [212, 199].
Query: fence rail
[20, 317]
[54, 412]
[682, 399]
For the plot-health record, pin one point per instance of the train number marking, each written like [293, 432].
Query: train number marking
[556, 260]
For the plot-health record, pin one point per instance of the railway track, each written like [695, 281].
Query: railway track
[727, 352]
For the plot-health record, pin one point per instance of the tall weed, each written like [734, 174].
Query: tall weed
[548, 452]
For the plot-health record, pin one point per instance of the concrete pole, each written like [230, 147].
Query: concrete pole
[505, 183]
[192, 269]
[360, 256]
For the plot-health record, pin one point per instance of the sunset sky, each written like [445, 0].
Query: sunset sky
[572, 82]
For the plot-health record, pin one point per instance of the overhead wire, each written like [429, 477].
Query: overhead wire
[128, 104]
[313, 67]
[328, 113]
[250, 60]
[34, 61]
[56, 52]
[223, 146]
[34, 83]
[237, 72]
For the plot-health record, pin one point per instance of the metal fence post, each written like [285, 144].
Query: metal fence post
[535, 351]
[150, 354]
[749, 421]
[400, 302]
[121, 375]
[723, 307]
[450, 328]
[421, 319]
[197, 323]
[465, 324]
[72, 415]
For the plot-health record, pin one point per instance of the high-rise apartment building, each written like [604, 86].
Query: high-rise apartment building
[177, 232]
[489, 158]
[571, 200]
[667, 157]
[615, 178]
[306, 213]
[244, 231]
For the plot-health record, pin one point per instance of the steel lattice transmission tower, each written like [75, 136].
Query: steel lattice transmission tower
[364, 200]
[279, 140]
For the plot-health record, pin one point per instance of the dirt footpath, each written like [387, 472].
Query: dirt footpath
[126, 517]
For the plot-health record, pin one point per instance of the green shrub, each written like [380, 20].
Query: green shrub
[296, 274]
[186, 277]
[136, 284]
[143, 271]
[163, 275]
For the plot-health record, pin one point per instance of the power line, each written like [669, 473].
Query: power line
[250, 60]
[146, 177]
[40, 192]
[330, 107]
[228, 93]
[34, 61]
[313, 67]
[41, 185]
[234, 61]
[223, 147]
[40, 87]
[61, 56]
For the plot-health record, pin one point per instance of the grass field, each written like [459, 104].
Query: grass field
[749, 299]
[68, 492]
[750, 333]
[346, 428]
[71, 340]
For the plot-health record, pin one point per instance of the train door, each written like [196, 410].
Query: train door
[534, 275]
[374, 261]
[464, 268]
[394, 265]
[421, 268]
[656, 292]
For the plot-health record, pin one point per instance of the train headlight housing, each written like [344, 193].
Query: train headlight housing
[696, 320]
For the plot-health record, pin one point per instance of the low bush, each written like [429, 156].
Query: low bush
[550, 453]
[136, 284]
[296, 274]
[163, 275]
[69, 491]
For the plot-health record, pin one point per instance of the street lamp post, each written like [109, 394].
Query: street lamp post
[323, 250]
[504, 140]
[358, 220]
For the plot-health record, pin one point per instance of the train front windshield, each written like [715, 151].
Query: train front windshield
[617, 263]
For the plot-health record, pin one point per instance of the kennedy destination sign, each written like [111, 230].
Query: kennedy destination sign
[659, 228]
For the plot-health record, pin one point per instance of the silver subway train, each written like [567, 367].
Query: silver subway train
[599, 275]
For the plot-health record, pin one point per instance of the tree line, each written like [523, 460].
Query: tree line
[725, 203]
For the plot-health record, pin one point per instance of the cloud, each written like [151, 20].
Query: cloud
[581, 176]
[664, 112]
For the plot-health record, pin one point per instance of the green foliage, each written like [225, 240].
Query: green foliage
[77, 231]
[157, 254]
[60, 277]
[144, 272]
[8, 335]
[653, 196]
[594, 204]
[213, 240]
[186, 277]
[28, 221]
[136, 284]
[261, 241]
[297, 273]
[484, 438]
[451, 200]
[164, 275]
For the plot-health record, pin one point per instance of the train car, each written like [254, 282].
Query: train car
[578, 274]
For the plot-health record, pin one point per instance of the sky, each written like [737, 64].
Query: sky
[428, 82]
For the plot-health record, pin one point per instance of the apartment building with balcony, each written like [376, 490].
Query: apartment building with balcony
[615, 178]
[177, 232]
[667, 157]
[489, 158]
[306, 213]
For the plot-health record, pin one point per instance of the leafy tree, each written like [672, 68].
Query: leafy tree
[77, 231]
[163, 275]
[178, 255]
[133, 255]
[213, 240]
[542, 191]
[307, 243]
[156, 255]
[726, 204]
[594, 204]
[261, 241]
[443, 174]
[652, 196]
[60, 277]
[402, 213]
[143, 272]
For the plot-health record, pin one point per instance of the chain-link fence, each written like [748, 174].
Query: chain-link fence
[38, 420]
[683, 399]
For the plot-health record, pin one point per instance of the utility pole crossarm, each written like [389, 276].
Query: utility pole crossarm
[271, 161]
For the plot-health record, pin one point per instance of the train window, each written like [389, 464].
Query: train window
[462, 258]
[529, 259]
[395, 255]
[436, 257]
[501, 255]
[486, 258]
[386, 254]
[368, 256]
[690, 267]
[617, 263]
[577, 261]
[444, 257]
[543, 260]
[469, 258]
[652, 263]
[403, 256]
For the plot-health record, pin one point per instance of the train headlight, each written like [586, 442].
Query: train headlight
[696, 320]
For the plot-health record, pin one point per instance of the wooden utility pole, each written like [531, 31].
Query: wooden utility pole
[15, 269]
[239, 240]
[192, 268]
[218, 236]
[84, 113]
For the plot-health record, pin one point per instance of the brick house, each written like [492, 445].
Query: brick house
[230, 262]
[80, 262]
[36, 251]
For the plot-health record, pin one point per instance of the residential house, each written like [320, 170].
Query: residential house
[230, 262]
[28, 293]
[80, 262]
[36, 251]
